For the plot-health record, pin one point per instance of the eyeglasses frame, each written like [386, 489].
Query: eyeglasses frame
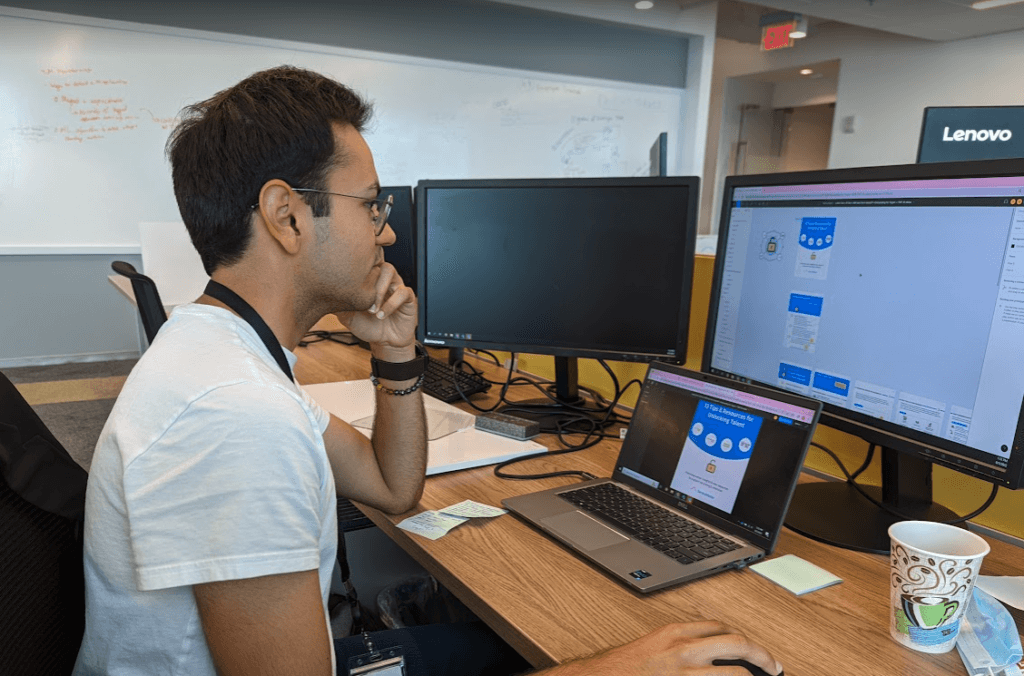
[382, 206]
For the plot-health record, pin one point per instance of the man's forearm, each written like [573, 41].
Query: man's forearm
[399, 434]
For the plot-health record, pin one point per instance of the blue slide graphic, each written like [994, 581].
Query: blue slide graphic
[794, 374]
[802, 322]
[817, 233]
[716, 454]
[831, 384]
[806, 305]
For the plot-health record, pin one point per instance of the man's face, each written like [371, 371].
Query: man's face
[346, 261]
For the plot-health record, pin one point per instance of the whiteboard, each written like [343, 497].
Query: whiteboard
[86, 107]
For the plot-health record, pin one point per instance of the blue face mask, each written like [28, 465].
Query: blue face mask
[988, 640]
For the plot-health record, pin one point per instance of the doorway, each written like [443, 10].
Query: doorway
[775, 121]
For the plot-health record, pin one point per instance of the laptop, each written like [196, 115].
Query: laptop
[701, 485]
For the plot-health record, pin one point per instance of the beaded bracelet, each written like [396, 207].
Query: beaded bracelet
[399, 393]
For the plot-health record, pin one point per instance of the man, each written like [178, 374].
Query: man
[211, 530]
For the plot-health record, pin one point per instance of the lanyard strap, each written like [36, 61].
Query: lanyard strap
[238, 304]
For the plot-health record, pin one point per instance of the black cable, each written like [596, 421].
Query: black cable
[575, 421]
[489, 354]
[603, 406]
[611, 374]
[867, 461]
[850, 480]
[586, 476]
[343, 337]
[592, 438]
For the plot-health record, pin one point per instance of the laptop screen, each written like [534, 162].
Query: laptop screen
[727, 452]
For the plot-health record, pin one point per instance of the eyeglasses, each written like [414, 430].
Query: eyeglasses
[343, 337]
[380, 208]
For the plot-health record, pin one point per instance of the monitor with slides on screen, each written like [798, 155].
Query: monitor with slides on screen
[597, 267]
[895, 295]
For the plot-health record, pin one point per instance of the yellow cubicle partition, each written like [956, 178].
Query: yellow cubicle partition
[957, 491]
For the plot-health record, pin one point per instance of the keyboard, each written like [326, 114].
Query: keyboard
[657, 527]
[444, 383]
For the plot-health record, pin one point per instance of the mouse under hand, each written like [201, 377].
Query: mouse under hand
[752, 668]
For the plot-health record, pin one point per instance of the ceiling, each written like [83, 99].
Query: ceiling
[823, 69]
[936, 20]
[939, 20]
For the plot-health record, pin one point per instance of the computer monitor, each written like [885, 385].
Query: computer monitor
[402, 254]
[895, 295]
[572, 267]
[963, 133]
[659, 155]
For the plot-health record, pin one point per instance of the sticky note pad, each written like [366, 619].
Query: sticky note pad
[795, 574]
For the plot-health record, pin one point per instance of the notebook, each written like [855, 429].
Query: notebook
[701, 485]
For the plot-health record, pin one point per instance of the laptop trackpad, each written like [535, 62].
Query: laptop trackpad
[583, 530]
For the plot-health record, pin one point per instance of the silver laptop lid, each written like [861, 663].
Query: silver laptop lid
[727, 452]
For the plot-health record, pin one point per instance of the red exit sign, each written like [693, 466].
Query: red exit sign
[776, 37]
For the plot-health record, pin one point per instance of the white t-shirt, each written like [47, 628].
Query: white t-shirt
[211, 467]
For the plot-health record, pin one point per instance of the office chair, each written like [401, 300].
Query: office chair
[42, 507]
[147, 298]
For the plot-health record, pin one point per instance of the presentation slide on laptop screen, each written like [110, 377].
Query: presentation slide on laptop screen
[716, 454]
[732, 453]
[903, 301]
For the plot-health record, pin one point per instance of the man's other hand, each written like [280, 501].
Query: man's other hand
[676, 650]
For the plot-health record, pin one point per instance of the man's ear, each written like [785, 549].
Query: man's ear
[282, 212]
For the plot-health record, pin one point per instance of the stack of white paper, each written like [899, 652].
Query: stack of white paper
[454, 442]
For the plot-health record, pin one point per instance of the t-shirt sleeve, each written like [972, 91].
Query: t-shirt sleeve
[233, 489]
[323, 417]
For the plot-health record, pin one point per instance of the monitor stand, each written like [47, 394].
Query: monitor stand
[834, 512]
[547, 412]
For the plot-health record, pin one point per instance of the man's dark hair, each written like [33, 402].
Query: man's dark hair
[274, 124]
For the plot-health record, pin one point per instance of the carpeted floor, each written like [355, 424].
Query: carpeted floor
[74, 400]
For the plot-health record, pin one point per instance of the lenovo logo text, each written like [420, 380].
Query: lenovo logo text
[977, 135]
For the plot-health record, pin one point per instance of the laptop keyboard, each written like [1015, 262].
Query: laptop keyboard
[657, 527]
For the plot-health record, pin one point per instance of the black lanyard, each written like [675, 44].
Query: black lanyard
[238, 304]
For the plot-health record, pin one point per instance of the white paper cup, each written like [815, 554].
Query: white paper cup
[934, 567]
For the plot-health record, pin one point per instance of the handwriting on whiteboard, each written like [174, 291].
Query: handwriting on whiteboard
[89, 108]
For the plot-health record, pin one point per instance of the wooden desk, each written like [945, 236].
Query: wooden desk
[552, 606]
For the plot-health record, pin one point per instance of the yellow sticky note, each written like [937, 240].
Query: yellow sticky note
[795, 574]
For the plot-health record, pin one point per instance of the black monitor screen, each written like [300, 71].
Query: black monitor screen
[895, 295]
[570, 267]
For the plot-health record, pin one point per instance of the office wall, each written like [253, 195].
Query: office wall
[805, 92]
[62, 308]
[697, 21]
[885, 82]
[807, 138]
[727, 96]
[474, 32]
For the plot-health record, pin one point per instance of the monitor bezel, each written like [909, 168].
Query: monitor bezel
[883, 433]
[406, 192]
[691, 183]
[924, 126]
